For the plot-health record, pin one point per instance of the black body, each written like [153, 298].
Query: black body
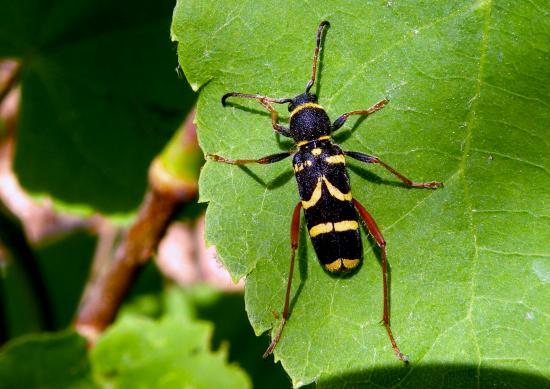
[325, 191]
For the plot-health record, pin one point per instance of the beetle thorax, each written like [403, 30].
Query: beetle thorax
[308, 120]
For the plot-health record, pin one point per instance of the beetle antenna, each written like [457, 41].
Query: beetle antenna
[320, 29]
[255, 97]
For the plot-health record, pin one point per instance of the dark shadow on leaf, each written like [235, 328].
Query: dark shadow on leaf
[440, 376]
[253, 175]
[345, 135]
[231, 325]
[244, 108]
[256, 111]
[320, 65]
[301, 257]
[284, 144]
[278, 181]
[367, 175]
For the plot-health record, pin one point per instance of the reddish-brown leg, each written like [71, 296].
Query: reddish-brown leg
[294, 233]
[372, 159]
[377, 235]
[277, 127]
[265, 101]
[365, 112]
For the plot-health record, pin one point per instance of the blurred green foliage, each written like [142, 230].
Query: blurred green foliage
[100, 97]
[158, 340]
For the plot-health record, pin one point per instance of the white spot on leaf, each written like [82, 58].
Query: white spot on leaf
[542, 270]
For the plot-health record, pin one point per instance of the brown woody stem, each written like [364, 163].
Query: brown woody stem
[171, 185]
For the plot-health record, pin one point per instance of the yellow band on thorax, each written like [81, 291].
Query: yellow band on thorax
[304, 106]
[305, 142]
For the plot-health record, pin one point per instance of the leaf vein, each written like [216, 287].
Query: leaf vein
[468, 200]
[512, 158]
[404, 40]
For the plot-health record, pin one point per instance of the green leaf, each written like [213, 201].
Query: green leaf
[57, 360]
[138, 351]
[226, 312]
[71, 254]
[174, 352]
[231, 329]
[99, 100]
[468, 83]
[21, 311]
[24, 301]
[68, 254]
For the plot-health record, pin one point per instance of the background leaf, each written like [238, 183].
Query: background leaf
[231, 331]
[468, 86]
[99, 100]
[139, 352]
[226, 312]
[69, 254]
[56, 360]
[160, 340]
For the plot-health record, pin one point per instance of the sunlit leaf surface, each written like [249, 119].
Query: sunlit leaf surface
[468, 83]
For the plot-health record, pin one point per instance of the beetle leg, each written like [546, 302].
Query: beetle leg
[264, 160]
[372, 159]
[342, 119]
[254, 97]
[277, 127]
[294, 234]
[265, 101]
[373, 229]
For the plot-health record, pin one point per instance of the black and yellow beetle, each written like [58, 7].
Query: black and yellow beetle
[330, 210]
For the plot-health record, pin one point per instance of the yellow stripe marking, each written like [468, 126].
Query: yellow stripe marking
[316, 151]
[324, 228]
[335, 192]
[305, 142]
[336, 266]
[345, 225]
[339, 158]
[315, 196]
[300, 166]
[333, 266]
[319, 229]
[350, 263]
[304, 106]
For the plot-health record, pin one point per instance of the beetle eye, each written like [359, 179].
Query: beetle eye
[291, 107]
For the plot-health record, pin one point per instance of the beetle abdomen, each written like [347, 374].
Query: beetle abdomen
[331, 217]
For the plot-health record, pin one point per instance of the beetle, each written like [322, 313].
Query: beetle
[331, 212]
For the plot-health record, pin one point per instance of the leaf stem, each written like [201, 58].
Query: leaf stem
[169, 190]
[12, 78]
